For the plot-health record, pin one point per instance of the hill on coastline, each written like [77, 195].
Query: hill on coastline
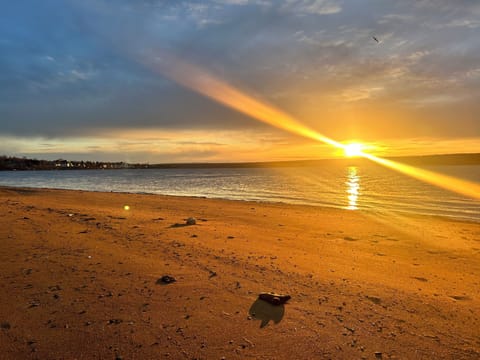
[17, 163]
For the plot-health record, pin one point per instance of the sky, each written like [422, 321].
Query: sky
[79, 79]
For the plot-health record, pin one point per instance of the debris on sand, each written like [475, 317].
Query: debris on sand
[191, 221]
[166, 279]
[274, 299]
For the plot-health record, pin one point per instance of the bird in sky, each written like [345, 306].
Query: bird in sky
[374, 38]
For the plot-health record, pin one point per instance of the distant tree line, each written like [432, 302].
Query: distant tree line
[444, 159]
[17, 163]
[22, 163]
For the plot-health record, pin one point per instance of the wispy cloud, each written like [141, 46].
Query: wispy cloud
[70, 69]
[312, 7]
[363, 93]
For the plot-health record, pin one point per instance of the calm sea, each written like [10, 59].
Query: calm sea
[358, 188]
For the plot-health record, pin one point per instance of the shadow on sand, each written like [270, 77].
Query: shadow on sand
[177, 225]
[264, 311]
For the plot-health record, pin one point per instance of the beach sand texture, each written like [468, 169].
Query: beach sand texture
[79, 280]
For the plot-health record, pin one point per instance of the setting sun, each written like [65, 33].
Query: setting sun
[354, 149]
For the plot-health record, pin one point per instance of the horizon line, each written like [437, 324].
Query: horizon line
[416, 158]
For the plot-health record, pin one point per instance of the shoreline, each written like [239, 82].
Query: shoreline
[266, 202]
[79, 279]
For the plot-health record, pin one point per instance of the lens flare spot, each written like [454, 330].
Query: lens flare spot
[126, 208]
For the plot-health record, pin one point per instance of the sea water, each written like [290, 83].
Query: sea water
[356, 188]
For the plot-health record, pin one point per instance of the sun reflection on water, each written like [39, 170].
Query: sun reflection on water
[353, 187]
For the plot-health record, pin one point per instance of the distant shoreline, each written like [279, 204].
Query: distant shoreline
[19, 164]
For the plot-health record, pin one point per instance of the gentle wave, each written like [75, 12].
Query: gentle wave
[365, 188]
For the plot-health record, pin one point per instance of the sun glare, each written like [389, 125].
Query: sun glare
[352, 150]
[196, 79]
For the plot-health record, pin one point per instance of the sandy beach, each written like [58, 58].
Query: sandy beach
[80, 280]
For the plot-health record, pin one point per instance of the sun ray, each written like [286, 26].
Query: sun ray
[463, 187]
[200, 81]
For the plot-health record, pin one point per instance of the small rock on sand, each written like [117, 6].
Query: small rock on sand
[274, 299]
[166, 279]
[374, 299]
[191, 221]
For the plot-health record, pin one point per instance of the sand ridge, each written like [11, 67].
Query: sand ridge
[79, 280]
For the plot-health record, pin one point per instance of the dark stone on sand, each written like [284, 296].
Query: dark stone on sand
[166, 279]
[378, 355]
[34, 303]
[460, 297]
[273, 298]
[374, 299]
[191, 221]
[115, 321]
[5, 325]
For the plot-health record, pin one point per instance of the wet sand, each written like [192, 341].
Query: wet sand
[79, 280]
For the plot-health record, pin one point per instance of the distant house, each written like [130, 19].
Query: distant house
[60, 163]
